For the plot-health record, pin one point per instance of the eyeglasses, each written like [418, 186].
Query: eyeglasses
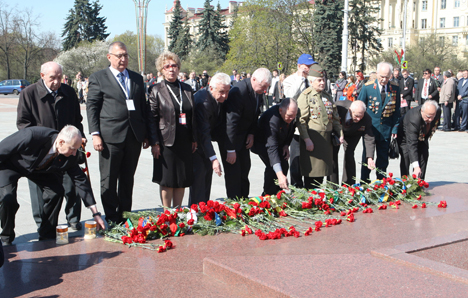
[425, 73]
[120, 56]
[169, 66]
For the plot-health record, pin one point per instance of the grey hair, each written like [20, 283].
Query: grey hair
[46, 66]
[69, 133]
[429, 102]
[358, 104]
[447, 74]
[118, 44]
[262, 75]
[220, 78]
[286, 102]
[381, 64]
[311, 79]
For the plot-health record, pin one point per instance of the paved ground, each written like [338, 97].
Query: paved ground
[447, 164]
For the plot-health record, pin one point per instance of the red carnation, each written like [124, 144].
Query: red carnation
[350, 218]
[243, 232]
[390, 175]
[442, 204]
[418, 198]
[190, 222]
[88, 154]
[343, 213]
[308, 232]
[423, 205]
[278, 195]
[181, 225]
[194, 207]
[126, 239]
[161, 249]
[414, 206]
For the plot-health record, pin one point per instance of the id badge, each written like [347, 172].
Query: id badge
[406, 88]
[182, 119]
[130, 105]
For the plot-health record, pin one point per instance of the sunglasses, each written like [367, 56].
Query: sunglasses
[425, 73]
[169, 66]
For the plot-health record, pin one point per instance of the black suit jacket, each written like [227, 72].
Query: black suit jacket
[406, 89]
[412, 131]
[36, 107]
[357, 130]
[272, 134]
[107, 109]
[432, 90]
[22, 152]
[211, 121]
[242, 111]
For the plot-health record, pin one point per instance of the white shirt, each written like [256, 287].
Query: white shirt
[425, 87]
[115, 72]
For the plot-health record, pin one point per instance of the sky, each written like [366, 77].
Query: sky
[120, 14]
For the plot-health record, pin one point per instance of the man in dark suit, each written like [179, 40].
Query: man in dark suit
[414, 132]
[117, 110]
[356, 123]
[242, 111]
[427, 88]
[406, 90]
[210, 116]
[272, 139]
[437, 76]
[41, 154]
[51, 104]
[462, 104]
[382, 99]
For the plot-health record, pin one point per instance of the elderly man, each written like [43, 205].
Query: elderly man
[272, 139]
[242, 111]
[210, 116]
[414, 132]
[437, 76]
[51, 104]
[382, 100]
[293, 87]
[117, 112]
[356, 123]
[41, 154]
[447, 97]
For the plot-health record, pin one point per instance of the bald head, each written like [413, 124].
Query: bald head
[51, 73]
[384, 72]
[357, 110]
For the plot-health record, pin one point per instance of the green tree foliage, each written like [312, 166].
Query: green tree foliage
[428, 52]
[261, 37]
[328, 19]
[154, 47]
[198, 61]
[184, 41]
[83, 24]
[364, 32]
[175, 26]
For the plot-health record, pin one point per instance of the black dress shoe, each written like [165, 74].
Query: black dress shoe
[76, 226]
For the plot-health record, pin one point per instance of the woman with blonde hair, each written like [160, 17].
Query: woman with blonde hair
[172, 133]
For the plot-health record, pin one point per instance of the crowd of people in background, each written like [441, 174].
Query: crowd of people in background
[296, 124]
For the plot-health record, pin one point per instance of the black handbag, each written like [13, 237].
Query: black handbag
[393, 150]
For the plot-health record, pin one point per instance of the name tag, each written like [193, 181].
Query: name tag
[182, 119]
[130, 105]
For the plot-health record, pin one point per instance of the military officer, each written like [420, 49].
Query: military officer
[383, 105]
[318, 118]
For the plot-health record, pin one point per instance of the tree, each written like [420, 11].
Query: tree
[175, 26]
[7, 36]
[364, 32]
[154, 47]
[83, 23]
[328, 29]
[198, 61]
[222, 38]
[184, 41]
[429, 52]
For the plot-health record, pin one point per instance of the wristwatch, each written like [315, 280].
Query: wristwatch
[97, 213]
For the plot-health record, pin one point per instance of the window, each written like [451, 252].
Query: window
[457, 3]
[414, 6]
[443, 4]
[442, 22]
[455, 40]
[423, 23]
[424, 5]
[390, 42]
[456, 21]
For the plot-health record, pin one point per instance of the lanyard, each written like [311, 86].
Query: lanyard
[181, 99]
[125, 90]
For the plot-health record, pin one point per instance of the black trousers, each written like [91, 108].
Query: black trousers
[457, 115]
[237, 175]
[405, 163]
[312, 182]
[269, 176]
[381, 162]
[52, 195]
[117, 165]
[72, 205]
[349, 163]
[447, 114]
[295, 171]
[202, 177]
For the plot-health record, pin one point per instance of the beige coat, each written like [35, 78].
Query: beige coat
[318, 117]
[448, 91]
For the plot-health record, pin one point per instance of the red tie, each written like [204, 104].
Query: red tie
[425, 88]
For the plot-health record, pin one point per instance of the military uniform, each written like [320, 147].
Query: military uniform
[318, 117]
[384, 110]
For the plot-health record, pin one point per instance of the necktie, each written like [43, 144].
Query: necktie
[47, 162]
[122, 79]
[425, 89]
[383, 94]
[306, 82]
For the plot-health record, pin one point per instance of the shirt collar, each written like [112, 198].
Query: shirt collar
[47, 88]
[115, 72]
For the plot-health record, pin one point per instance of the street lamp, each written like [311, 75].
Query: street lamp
[141, 10]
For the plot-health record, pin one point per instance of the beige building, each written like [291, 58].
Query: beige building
[423, 17]
[194, 16]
